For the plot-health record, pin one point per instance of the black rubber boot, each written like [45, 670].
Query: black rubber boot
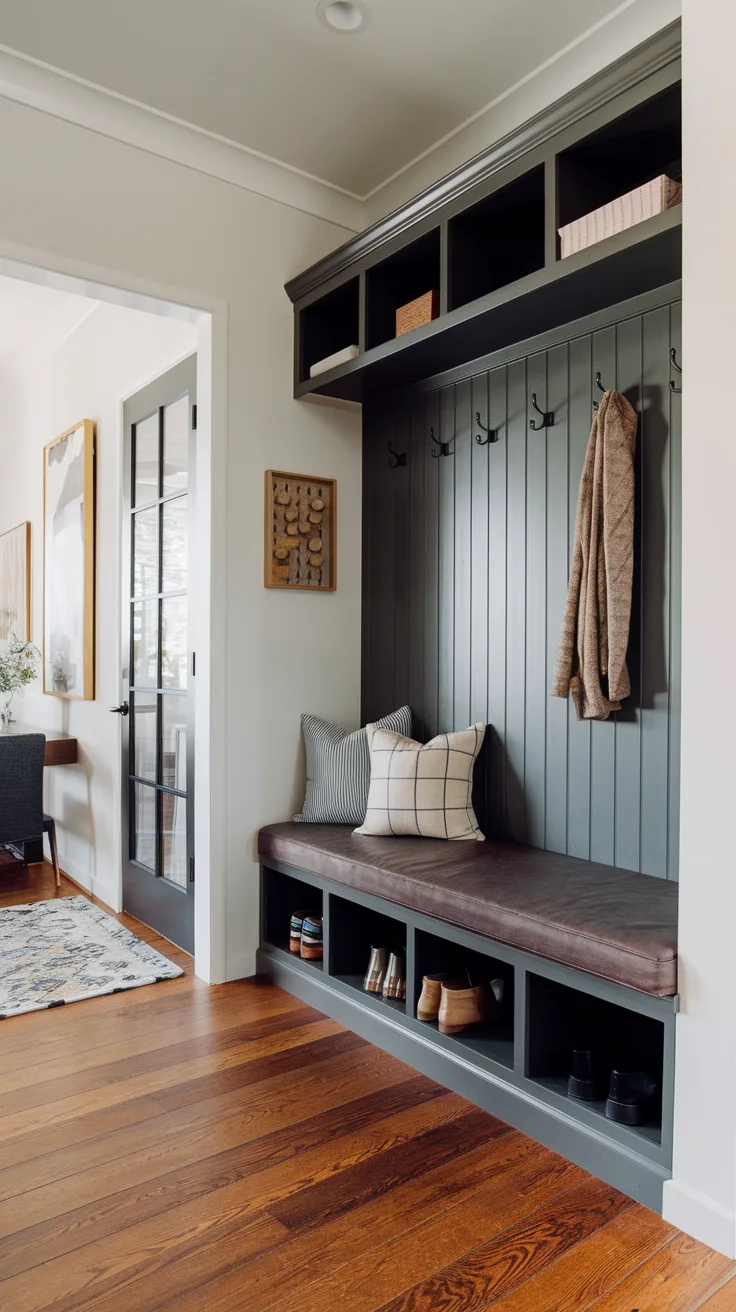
[631, 1098]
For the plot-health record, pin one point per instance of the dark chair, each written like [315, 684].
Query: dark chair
[21, 793]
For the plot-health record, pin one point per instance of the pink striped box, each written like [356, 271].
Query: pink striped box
[642, 203]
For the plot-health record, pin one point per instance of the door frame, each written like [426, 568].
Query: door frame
[210, 314]
[144, 891]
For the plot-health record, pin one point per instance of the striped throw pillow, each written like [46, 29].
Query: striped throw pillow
[339, 769]
[424, 791]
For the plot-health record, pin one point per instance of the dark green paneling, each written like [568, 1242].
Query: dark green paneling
[556, 565]
[466, 578]
[431, 408]
[675, 536]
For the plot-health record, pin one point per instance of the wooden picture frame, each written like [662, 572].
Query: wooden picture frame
[300, 522]
[15, 583]
[69, 563]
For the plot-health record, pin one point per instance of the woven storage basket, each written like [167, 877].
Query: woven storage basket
[642, 203]
[416, 313]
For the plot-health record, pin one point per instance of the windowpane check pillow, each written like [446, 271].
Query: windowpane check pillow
[339, 768]
[425, 791]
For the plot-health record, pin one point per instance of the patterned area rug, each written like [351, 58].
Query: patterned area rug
[66, 950]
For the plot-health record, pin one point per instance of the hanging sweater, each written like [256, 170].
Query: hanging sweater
[591, 660]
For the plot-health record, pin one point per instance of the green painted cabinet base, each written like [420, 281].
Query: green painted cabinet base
[516, 1071]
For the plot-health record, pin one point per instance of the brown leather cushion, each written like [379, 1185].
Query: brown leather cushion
[612, 923]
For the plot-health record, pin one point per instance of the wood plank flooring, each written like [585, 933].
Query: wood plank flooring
[180, 1148]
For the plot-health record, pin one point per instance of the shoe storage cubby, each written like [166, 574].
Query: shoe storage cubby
[354, 930]
[283, 895]
[498, 240]
[516, 1067]
[433, 954]
[562, 1019]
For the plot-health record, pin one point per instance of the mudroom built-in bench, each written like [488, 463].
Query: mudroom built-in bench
[585, 952]
[475, 426]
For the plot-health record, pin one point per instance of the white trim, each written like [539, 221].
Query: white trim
[242, 966]
[56, 92]
[700, 1217]
[90, 883]
[211, 313]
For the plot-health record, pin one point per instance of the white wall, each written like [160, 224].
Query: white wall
[90, 203]
[111, 354]
[702, 1196]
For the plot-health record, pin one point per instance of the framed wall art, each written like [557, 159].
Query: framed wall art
[69, 563]
[300, 532]
[15, 583]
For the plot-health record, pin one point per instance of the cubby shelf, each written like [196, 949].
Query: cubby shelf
[494, 1049]
[491, 251]
[280, 951]
[626, 265]
[642, 1138]
[355, 982]
[516, 1068]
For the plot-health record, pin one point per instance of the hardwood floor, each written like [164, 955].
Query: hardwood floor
[192, 1149]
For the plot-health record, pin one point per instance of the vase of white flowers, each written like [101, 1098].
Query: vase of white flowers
[17, 668]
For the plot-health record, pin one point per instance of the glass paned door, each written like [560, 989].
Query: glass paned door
[158, 663]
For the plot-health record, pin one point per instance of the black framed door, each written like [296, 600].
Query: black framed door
[157, 658]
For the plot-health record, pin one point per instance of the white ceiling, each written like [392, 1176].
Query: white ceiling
[34, 321]
[350, 110]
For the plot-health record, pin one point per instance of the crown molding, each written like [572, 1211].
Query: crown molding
[39, 86]
[65, 96]
[643, 61]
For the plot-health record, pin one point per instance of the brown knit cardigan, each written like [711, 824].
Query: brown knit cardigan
[591, 660]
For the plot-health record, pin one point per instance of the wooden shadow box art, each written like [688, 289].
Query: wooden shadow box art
[300, 531]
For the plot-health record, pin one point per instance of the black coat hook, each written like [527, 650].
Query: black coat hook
[675, 365]
[444, 447]
[548, 416]
[397, 459]
[491, 433]
[598, 384]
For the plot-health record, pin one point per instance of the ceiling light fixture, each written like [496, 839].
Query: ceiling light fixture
[343, 16]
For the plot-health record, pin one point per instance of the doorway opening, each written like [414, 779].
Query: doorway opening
[113, 344]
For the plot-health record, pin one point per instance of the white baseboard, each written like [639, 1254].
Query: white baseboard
[241, 966]
[106, 892]
[700, 1217]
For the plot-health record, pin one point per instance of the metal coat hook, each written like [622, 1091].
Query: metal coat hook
[548, 417]
[397, 459]
[675, 365]
[444, 447]
[491, 433]
[599, 384]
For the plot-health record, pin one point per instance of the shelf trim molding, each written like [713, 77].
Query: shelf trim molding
[633, 68]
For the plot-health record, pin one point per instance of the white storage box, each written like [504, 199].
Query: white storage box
[332, 361]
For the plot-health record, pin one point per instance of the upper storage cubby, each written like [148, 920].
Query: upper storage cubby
[498, 240]
[328, 325]
[626, 153]
[476, 262]
[409, 273]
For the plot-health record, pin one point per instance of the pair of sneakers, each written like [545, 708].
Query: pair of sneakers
[456, 1003]
[305, 935]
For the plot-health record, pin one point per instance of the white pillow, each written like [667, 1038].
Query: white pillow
[422, 790]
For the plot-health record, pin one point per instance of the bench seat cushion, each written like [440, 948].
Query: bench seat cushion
[613, 923]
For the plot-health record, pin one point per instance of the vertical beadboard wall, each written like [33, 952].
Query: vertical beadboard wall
[465, 576]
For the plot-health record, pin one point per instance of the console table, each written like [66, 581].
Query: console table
[61, 749]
